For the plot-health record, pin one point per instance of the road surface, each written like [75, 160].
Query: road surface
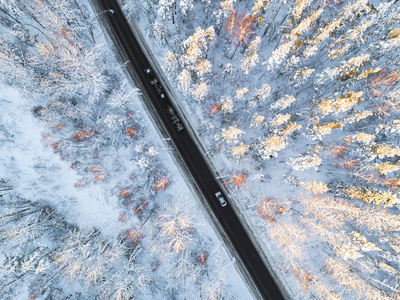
[170, 123]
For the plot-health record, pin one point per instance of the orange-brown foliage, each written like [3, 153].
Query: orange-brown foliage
[230, 22]
[125, 193]
[160, 183]
[379, 84]
[64, 32]
[59, 126]
[336, 151]
[213, 109]
[131, 132]
[267, 210]
[201, 258]
[390, 182]
[100, 177]
[349, 163]
[281, 210]
[32, 295]
[139, 207]
[83, 134]
[303, 277]
[133, 235]
[238, 180]
[95, 169]
[80, 183]
[242, 28]
[121, 218]
[56, 146]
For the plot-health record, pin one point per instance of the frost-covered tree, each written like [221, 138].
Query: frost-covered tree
[240, 150]
[196, 46]
[170, 66]
[231, 135]
[271, 146]
[250, 58]
[71, 71]
[185, 81]
[126, 282]
[260, 95]
[226, 105]
[202, 68]
[176, 224]
[333, 97]
[303, 162]
[14, 65]
[160, 32]
[200, 91]
[186, 6]
[167, 10]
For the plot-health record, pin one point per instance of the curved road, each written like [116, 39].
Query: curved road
[168, 121]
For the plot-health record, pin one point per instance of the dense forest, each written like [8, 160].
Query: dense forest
[295, 102]
[91, 203]
[297, 105]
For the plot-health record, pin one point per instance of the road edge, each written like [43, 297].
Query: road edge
[238, 208]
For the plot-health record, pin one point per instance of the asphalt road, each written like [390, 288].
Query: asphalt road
[169, 120]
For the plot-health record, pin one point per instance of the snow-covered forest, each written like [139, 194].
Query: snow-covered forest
[297, 104]
[92, 205]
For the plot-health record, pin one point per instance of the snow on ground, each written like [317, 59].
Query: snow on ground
[39, 174]
[90, 163]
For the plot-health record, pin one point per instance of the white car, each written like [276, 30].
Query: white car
[220, 198]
